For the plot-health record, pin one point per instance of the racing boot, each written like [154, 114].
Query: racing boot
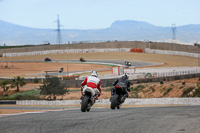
[81, 98]
[92, 101]
[112, 93]
[123, 99]
[89, 107]
[118, 106]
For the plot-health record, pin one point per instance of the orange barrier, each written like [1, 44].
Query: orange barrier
[136, 50]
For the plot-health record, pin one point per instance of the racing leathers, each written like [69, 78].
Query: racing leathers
[94, 84]
[126, 85]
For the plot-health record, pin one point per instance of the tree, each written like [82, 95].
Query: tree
[4, 84]
[17, 82]
[52, 87]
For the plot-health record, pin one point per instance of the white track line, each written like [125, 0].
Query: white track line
[35, 112]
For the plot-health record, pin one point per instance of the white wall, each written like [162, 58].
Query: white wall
[129, 101]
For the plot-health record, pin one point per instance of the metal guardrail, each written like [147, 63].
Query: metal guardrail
[7, 102]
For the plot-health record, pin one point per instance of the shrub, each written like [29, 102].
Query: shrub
[139, 87]
[52, 87]
[36, 80]
[196, 93]
[26, 97]
[152, 89]
[187, 91]
[162, 90]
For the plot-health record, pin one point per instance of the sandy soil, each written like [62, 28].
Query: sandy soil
[21, 69]
[25, 68]
[169, 60]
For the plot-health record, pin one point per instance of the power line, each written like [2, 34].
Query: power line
[174, 32]
[59, 37]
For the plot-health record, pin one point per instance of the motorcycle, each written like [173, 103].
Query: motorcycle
[127, 63]
[87, 101]
[82, 59]
[117, 99]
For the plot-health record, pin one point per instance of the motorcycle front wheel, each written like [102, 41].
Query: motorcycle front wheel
[84, 104]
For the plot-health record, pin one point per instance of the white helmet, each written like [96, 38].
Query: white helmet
[94, 73]
[125, 75]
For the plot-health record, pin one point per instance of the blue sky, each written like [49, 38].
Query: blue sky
[96, 14]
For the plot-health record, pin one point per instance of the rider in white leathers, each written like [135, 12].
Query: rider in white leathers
[93, 83]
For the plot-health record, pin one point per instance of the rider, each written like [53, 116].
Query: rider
[124, 80]
[93, 82]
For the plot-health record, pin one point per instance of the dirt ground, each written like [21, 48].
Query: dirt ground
[169, 60]
[149, 91]
[25, 68]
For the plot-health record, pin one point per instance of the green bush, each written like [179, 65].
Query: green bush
[187, 91]
[36, 80]
[52, 87]
[152, 89]
[25, 95]
[196, 93]
[137, 88]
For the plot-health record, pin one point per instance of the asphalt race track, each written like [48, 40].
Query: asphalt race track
[121, 62]
[110, 62]
[179, 119]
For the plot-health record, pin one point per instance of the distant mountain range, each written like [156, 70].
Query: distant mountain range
[12, 34]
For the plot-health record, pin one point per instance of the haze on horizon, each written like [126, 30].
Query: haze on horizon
[96, 14]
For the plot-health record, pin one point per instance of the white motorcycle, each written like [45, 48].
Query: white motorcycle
[88, 99]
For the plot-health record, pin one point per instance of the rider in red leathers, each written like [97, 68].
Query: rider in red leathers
[92, 82]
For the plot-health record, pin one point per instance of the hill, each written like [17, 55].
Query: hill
[119, 30]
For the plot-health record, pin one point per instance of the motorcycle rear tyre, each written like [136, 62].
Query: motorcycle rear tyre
[114, 101]
[84, 104]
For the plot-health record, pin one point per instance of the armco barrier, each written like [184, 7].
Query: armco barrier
[168, 52]
[129, 101]
[7, 102]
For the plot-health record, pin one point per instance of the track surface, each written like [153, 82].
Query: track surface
[121, 62]
[180, 119]
[109, 62]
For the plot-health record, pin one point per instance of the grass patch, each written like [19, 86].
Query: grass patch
[167, 91]
[24, 95]
[152, 89]
[163, 89]
[181, 87]
[74, 90]
[187, 91]
[137, 88]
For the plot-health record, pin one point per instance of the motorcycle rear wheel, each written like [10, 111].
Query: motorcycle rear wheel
[114, 101]
[84, 104]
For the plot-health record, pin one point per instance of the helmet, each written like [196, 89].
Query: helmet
[94, 73]
[125, 75]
